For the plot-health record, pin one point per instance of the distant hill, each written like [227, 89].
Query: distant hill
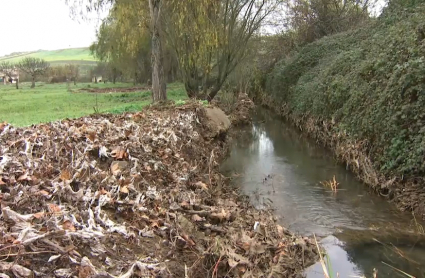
[61, 56]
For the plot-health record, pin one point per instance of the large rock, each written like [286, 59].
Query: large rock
[217, 121]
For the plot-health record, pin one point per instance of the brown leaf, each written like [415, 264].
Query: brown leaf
[42, 193]
[202, 185]
[197, 218]
[119, 153]
[2, 125]
[24, 177]
[67, 225]
[221, 216]
[118, 166]
[65, 175]
[185, 205]
[155, 224]
[38, 215]
[189, 241]
[1, 181]
[124, 189]
[115, 169]
[34, 180]
[55, 209]
[91, 136]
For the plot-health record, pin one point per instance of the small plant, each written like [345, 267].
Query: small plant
[180, 102]
[204, 102]
[332, 184]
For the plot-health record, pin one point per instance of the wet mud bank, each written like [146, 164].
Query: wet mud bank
[407, 193]
[134, 195]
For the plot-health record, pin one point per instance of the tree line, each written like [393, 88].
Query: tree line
[203, 42]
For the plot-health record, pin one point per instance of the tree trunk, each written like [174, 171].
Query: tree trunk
[190, 90]
[75, 81]
[212, 94]
[159, 92]
[17, 84]
[33, 82]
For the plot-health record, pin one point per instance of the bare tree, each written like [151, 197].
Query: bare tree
[34, 67]
[72, 73]
[212, 37]
[9, 70]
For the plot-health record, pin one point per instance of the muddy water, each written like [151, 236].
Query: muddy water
[280, 168]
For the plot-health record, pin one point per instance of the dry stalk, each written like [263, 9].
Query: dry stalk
[322, 261]
[418, 227]
[332, 184]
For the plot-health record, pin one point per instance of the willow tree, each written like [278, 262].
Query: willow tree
[155, 13]
[123, 40]
[211, 38]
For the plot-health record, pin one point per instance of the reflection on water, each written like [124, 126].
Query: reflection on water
[279, 166]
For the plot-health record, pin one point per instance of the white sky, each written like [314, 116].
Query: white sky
[27, 25]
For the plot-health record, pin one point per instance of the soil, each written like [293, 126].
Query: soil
[115, 90]
[407, 194]
[133, 195]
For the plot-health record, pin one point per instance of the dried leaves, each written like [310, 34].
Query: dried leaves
[116, 183]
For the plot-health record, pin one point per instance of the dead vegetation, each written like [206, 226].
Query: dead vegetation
[332, 184]
[238, 108]
[136, 195]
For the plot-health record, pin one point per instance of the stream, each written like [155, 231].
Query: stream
[282, 169]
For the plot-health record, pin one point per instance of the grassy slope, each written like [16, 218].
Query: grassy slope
[370, 82]
[73, 54]
[49, 102]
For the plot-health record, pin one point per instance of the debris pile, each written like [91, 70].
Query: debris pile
[135, 195]
[239, 111]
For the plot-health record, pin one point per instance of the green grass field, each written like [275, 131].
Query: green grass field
[61, 55]
[50, 102]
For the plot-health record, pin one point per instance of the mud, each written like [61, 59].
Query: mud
[134, 195]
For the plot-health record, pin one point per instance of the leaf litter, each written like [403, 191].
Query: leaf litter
[134, 195]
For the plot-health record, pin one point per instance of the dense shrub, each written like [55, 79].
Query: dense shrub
[371, 81]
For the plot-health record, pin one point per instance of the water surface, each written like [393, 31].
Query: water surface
[279, 167]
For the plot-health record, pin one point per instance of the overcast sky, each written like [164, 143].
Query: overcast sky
[27, 25]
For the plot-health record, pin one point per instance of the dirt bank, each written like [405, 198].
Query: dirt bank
[407, 194]
[135, 195]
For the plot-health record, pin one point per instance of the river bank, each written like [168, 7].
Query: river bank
[407, 194]
[135, 194]
[278, 166]
[360, 93]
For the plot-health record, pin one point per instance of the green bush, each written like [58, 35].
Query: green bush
[371, 81]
